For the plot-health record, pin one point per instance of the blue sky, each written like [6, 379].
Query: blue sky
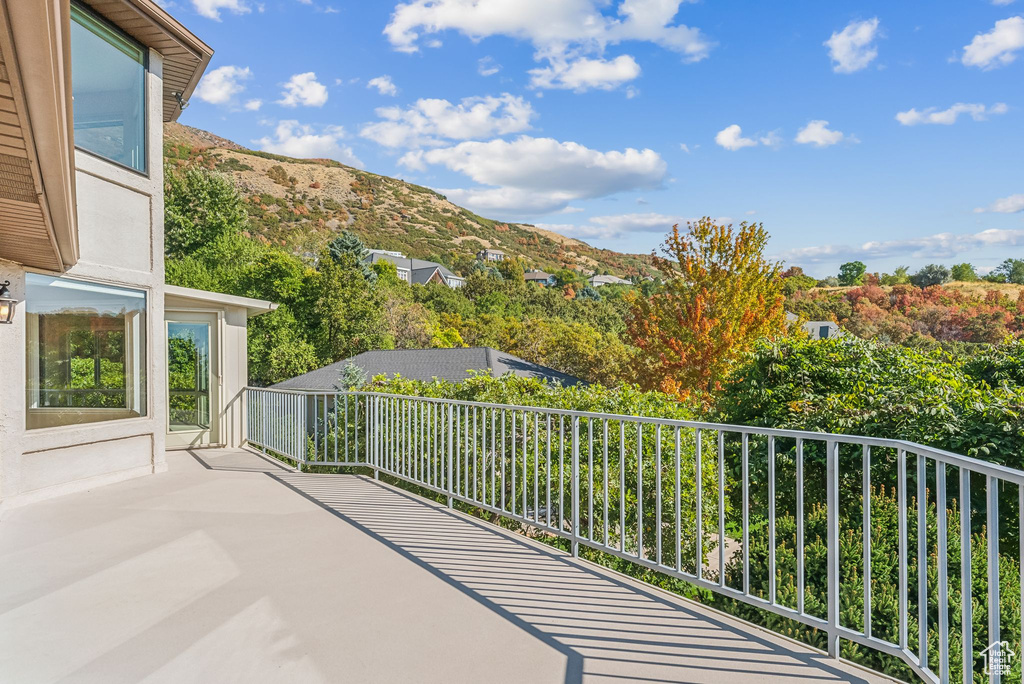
[887, 132]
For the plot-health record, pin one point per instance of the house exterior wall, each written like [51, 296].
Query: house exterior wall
[120, 226]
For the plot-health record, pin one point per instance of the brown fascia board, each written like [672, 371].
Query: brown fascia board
[41, 57]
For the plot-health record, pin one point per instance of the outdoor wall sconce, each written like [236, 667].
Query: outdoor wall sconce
[6, 304]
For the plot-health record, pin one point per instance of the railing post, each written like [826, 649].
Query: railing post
[575, 486]
[448, 478]
[374, 437]
[832, 503]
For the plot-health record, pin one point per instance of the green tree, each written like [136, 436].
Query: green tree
[852, 273]
[899, 276]
[341, 314]
[349, 243]
[1010, 271]
[932, 274]
[964, 273]
[199, 207]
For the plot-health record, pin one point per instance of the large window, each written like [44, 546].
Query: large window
[108, 81]
[86, 352]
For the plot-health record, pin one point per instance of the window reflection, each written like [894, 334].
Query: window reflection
[86, 352]
[108, 75]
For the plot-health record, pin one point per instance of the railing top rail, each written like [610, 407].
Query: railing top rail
[947, 457]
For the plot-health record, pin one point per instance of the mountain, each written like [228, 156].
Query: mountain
[301, 204]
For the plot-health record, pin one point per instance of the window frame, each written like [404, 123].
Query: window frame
[145, 171]
[148, 348]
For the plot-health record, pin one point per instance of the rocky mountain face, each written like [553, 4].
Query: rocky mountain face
[301, 204]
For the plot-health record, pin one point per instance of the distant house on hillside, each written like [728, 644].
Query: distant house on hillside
[417, 271]
[540, 278]
[601, 280]
[818, 330]
[453, 365]
[490, 255]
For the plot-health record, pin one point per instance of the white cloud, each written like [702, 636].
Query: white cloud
[617, 226]
[570, 35]
[303, 89]
[1002, 3]
[998, 47]
[731, 138]
[1007, 205]
[539, 175]
[486, 66]
[428, 122]
[211, 8]
[853, 48]
[817, 133]
[383, 85]
[222, 84]
[685, 148]
[301, 141]
[939, 246]
[946, 117]
[253, 105]
[584, 73]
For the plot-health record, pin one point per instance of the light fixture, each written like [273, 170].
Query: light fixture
[183, 103]
[6, 304]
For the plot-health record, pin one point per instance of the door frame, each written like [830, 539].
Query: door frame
[213, 436]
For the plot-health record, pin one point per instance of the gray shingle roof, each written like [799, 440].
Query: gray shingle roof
[413, 265]
[426, 364]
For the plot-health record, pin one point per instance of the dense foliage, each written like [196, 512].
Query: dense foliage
[334, 306]
[909, 315]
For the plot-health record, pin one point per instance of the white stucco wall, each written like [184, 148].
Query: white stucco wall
[120, 225]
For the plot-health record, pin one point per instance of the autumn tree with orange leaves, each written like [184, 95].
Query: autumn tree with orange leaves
[720, 296]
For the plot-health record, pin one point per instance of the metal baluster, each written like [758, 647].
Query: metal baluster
[992, 536]
[745, 457]
[771, 521]
[536, 467]
[721, 508]
[604, 492]
[699, 477]
[575, 486]
[657, 485]
[901, 479]
[943, 567]
[832, 502]
[547, 471]
[622, 486]
[866, 521]
[922, 563]
[639, 490]
[679, 513]
[590, 479]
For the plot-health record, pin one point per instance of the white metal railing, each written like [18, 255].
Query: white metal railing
[847, 535]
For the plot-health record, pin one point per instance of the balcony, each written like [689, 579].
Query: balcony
[231, 568]
[362, 546]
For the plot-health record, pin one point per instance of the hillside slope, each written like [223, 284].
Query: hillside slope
[301, 204]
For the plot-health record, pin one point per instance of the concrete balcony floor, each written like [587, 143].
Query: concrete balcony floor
[229, 568]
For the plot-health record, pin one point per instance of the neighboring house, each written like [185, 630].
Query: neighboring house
[86, 398]
[490, 255]
[453, 365]
[417, 271]
[540, 278]
[601, 280]
[818, 330]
